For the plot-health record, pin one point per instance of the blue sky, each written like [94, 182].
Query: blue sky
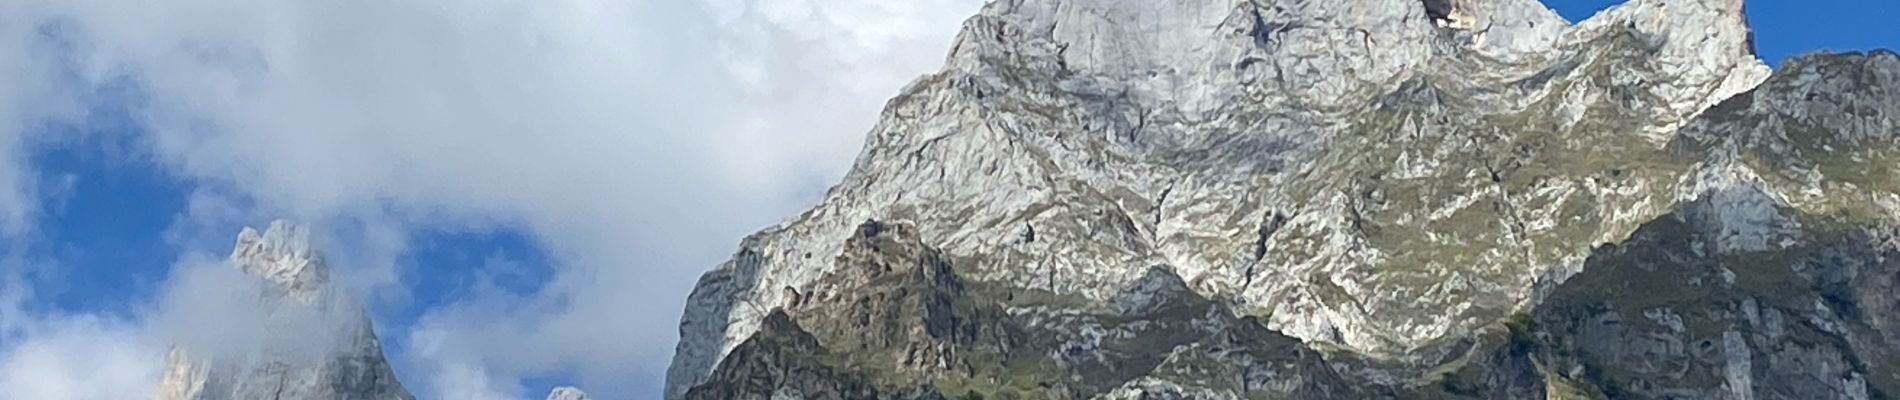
[117, 209]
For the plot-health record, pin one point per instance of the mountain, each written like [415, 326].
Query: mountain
[314, 342]
[1344, 199]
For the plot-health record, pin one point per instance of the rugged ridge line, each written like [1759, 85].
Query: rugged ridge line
[1383, 177]
[1395, 184]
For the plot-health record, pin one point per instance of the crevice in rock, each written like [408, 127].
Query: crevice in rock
[1355, 218]
[1161, 203]
[1502, 204]
[1262, 32]
[1440, 11]
[1270, 224]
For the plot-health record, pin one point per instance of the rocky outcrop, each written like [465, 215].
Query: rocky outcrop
[567, 393]
[895, 313]
[322, 345]
[1669, 314]
[1385, 191]
[783, 360]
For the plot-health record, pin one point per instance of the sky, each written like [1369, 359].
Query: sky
[522, 192]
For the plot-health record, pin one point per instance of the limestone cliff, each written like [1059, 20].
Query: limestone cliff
[1342, 199]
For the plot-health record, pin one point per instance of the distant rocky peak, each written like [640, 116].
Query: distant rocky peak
[282, 255]
[299, 339]
[567, 393]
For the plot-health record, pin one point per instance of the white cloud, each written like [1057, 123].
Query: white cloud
[637, 140]
[454, 374]
[218, 312]
[79, 358]
[31, 59]
[460, 381]
[59, 356]
[206, 305]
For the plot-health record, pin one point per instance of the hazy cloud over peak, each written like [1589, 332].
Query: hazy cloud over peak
[636, 141]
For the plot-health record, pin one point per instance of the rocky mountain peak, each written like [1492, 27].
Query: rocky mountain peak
[1846, 93]
[567, 393]
[283, 255]
[1202, 54]
[1197, 55]
[1707, 45]
[297, 337]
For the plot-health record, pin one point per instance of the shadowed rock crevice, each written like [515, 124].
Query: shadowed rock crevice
[1440, 11]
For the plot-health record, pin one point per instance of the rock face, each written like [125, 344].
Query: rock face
[320, 345]
[1338, 199]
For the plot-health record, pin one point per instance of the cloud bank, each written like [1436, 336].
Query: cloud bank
[636, 141]
[78, 357]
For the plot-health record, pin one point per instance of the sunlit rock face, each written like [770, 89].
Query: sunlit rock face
[301, 339]
[1339, 199]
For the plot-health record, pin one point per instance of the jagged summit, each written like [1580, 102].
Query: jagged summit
[295, 336]
[1706, 45]
[567, 393]
[283, 255]
[1194, 56]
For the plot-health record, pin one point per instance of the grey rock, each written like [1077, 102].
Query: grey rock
[1386, 182]
[567, 393]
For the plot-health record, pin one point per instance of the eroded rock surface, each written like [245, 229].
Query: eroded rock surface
[1342, 199]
